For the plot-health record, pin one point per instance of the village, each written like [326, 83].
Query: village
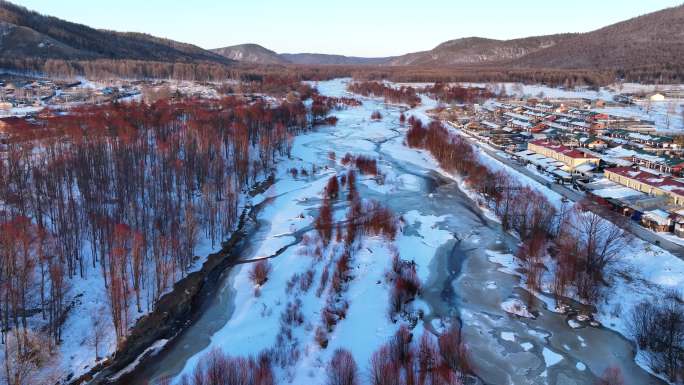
[21, 96]
[622, 163]
[24, 99]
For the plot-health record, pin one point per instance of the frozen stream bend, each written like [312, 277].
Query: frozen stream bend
[450, 239]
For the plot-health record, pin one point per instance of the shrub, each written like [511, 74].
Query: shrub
[324, 221]
[428, 355]
[217, 368]
[400, 346]
[341, 275]
[384, 370]
[329, 319]
[406, 284]
[333, 312]
[323, 282]
[291, 283]
[453, 351]
[394, 363]
[332, 189]
[259, 272]
[342, 369]
[347, 159]
[366, 165]
[292, 315]
[321, 337]
[379, 221]
[306, 280]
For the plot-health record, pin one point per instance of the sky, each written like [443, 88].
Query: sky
[369, 28]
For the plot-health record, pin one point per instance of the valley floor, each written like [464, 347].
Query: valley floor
[463, 259]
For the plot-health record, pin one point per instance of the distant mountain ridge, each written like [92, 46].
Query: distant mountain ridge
[326, 59]
[649, 46]
[649, 41]
[250, 53]
[655, 39]
[256, 54]
[28, 34]
[477, 50]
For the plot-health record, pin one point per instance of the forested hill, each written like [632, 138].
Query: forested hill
[648, 48]
[645, 48]
[26, 34]
[653, 40]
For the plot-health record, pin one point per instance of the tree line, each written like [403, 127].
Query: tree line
[666, 73]
[403, 94]
[457, 94]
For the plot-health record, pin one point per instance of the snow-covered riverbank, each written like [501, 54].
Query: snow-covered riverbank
[449, 237]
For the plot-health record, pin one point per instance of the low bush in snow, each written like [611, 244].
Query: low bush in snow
[259, 272]
[342, 369]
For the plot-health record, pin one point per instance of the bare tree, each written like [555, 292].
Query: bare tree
[98, 330]
[658, 327]
[600, 241]
[342, 369]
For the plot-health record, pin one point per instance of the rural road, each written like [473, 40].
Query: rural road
[576, 196]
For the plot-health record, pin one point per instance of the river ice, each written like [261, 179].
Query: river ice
[464, 261]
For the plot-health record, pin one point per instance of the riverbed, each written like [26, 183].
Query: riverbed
[450, 237]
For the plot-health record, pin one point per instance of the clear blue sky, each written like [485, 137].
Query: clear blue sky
[349, 27]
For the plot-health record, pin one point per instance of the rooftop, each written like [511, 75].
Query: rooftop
[662, 182]
[569, 152]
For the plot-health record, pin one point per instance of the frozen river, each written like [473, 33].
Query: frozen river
[453, 242]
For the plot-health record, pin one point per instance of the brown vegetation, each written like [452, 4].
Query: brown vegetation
[585, 243]
[124, 191]
[404, 95]
[457, 94]
[342, 369]
[430, 363]
[259, 272]
[217, 368]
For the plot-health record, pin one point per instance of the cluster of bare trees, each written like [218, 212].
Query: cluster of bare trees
[551, 77]
[658, 328]
[441, 360]
[457, 94]
[405, 285]
[403, 360]
[366, 165]
[403, 94]
[218, 368]
[586, 244]
[322, 105]
[583, 242]
[430, 361]
[125, 191]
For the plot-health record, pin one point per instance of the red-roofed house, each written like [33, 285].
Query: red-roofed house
[648, 183]
[571, 157]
